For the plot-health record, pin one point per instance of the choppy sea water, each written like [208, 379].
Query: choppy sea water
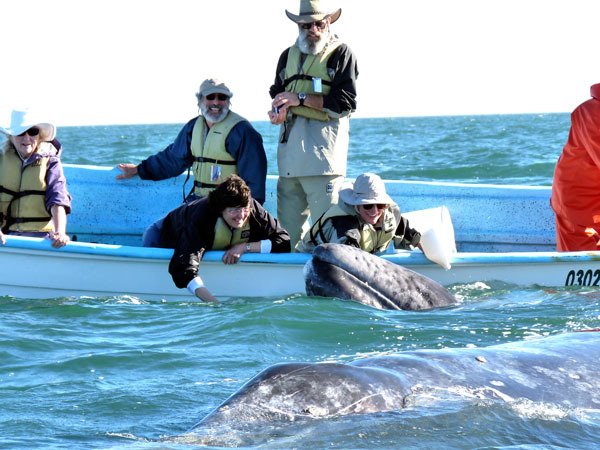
[125, 372]
[503, 149]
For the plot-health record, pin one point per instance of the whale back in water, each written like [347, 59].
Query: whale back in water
[561, 370]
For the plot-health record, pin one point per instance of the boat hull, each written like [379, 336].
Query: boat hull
[502, 233]
[33, 269]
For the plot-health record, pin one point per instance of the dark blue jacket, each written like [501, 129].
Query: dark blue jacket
[244, 144]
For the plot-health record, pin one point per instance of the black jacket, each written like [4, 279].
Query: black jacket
[190, 231]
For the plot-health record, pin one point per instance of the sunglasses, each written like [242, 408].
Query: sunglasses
[221, 97]
[321, 24]
[370, 206]
[33, 131]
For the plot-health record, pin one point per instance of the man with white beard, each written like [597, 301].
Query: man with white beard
[213, 145]
[313, 96]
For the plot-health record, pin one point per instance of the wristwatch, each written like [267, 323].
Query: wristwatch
[248, 246]
[301, 98]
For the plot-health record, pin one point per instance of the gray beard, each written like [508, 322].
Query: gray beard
[209, 115]
[312, 48]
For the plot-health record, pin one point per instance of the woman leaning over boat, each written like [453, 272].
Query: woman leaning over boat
[34, 200]
[365, 217]
[227, 219]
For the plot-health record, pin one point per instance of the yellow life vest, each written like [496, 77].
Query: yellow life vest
[226, 237]
[23, 194]
[372, 239]
[300, 75]
[212, 163]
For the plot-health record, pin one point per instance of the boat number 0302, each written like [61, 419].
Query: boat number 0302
[583, 278]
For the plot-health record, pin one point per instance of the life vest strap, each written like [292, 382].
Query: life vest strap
[8, 191]
[319, 227]
[200, 184]
[302, 76]
[10, 220]
[29, 219]
[214, 161]
[29, 192]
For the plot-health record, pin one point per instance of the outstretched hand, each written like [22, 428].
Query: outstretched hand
[204, 294]
[128, 171]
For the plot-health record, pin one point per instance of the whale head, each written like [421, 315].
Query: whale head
[346, 272]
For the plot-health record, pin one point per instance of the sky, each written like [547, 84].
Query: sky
[94, 62]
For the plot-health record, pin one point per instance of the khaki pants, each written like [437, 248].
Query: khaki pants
[301, 197]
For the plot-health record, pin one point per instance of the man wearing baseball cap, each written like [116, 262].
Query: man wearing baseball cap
[213, 145]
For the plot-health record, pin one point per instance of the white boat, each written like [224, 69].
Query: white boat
[503, 233]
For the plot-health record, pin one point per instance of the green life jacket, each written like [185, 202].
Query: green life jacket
[226, 237]
[372, 240]
[375, 240]
[299, 77]
[212, 163]
[23, 194]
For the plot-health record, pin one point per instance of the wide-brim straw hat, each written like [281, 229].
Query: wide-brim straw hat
[367, 189]
[313, 11]
[21, 121]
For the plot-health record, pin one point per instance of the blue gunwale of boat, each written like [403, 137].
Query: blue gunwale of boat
[127, 251]
[402, 257]
[481, 258]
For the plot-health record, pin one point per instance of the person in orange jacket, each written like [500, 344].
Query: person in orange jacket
[576, 186]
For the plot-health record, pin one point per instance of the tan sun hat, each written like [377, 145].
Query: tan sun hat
[213, 86]
[368, 189]
[21, 121]
[313, 11]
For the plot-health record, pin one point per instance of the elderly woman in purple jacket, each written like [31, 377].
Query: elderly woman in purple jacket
[34, 200]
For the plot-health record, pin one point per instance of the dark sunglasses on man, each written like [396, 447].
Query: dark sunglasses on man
[321, 24]
[221, 97]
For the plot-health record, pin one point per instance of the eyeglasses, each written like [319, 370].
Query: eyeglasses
[221, 97]
[321, 24]
[370, 206]
[33, 131]
[236, 210]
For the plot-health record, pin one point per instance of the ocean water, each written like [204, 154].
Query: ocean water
[124, 372]
[503, 149]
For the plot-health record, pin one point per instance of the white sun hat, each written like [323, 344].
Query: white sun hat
[368, 189]
[23, 120]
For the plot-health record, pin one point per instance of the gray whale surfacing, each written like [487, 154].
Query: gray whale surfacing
[346, 272]
[561, 370]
